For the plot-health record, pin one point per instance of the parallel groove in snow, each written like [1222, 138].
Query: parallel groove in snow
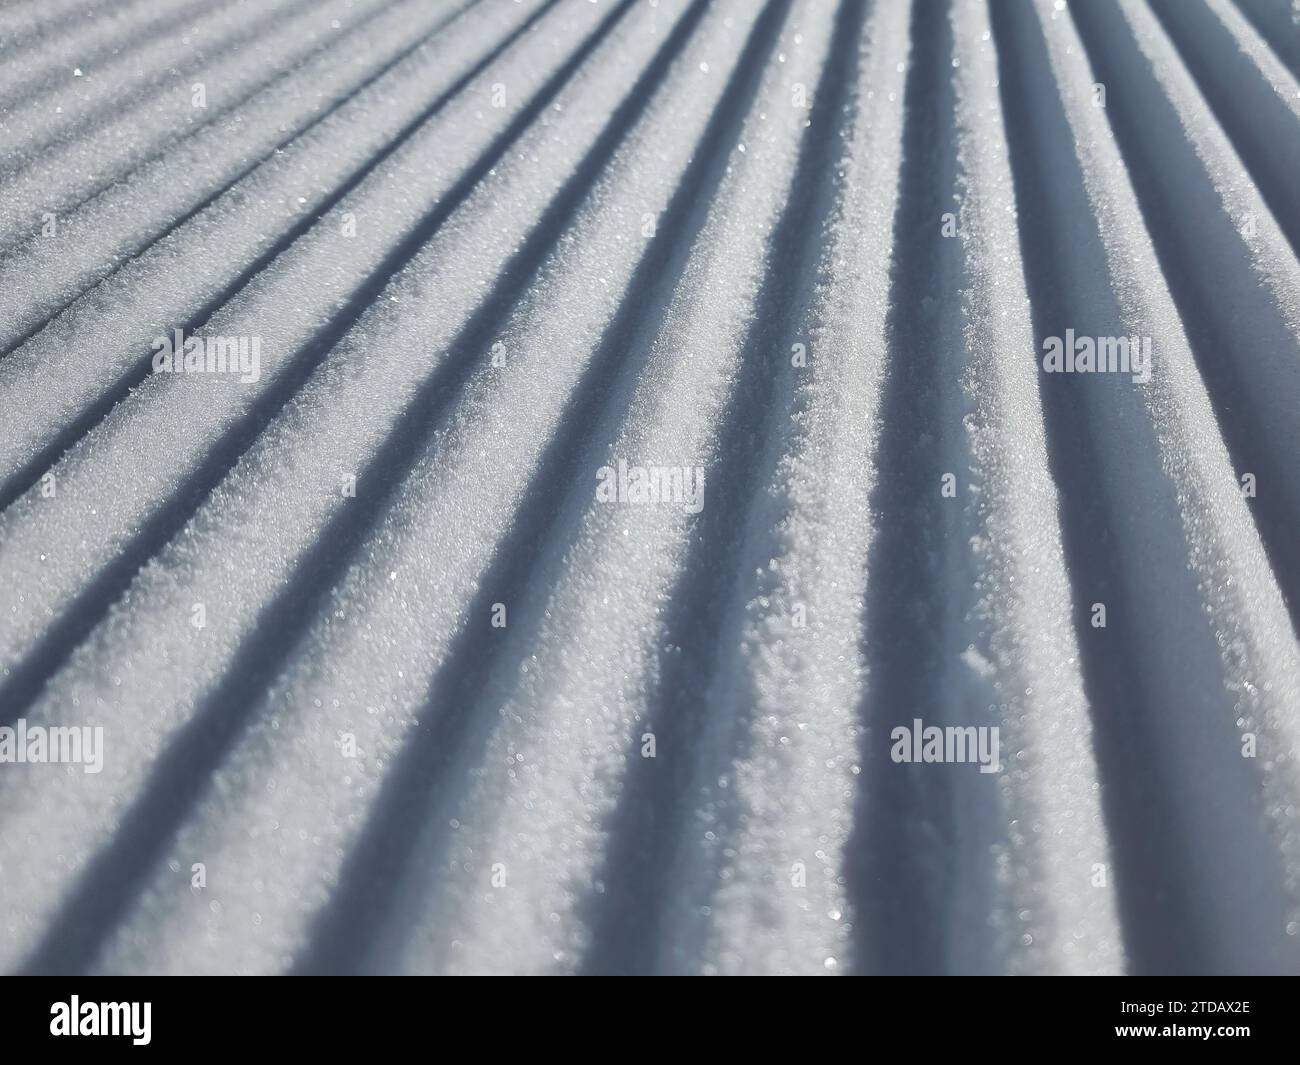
[55, 175]
[46, 275]
[34, 70]
[90, 96]
[311, 295]
[492, 247]
[26, 20]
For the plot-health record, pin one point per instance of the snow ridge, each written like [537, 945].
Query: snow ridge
[398, 668]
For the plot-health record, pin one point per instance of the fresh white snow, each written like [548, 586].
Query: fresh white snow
[391, 679]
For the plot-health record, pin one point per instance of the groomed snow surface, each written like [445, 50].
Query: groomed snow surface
[632, 413]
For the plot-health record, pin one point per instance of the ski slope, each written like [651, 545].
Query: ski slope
[389, 683]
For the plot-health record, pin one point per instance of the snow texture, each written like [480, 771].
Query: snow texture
[395, 669]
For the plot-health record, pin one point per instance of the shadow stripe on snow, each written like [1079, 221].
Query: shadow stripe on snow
[26, 678]
[39, 82]
[899, 874]
[448, 740]
[646, 825]
[1164, 690]
[282, 241]
[90, 914]
[1162, 822]
[1172, 187]
[132, 95]
[1263, 130]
